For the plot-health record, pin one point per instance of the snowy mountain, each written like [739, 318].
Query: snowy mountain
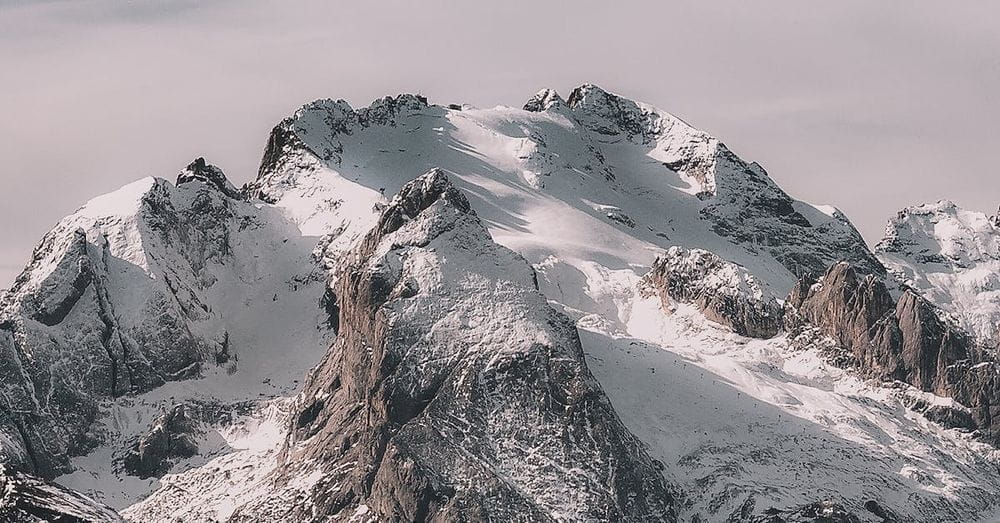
[952, 256]
[479, 398]
[582, 309]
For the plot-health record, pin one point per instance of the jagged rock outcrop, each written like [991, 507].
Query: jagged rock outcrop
[543, 100]
[904, 340]
[200, 170]
[952, 257]
[975, 383]
[454, 392]
[725, 292]
[28, 499]
[117, 300]
[172, 436]
[818, 512]
[952, 416]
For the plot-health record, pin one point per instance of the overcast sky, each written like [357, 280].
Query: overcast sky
[869, 106]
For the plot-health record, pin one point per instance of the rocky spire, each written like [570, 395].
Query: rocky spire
[905, 340]
[543, 100]
[419, 350]
[199, 170]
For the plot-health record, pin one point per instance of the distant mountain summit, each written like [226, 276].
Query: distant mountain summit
[952, 256]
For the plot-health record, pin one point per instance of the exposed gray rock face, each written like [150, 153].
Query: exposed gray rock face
[818, 512]
[725, 292]
[950, 416]
[975, 383]
[454, 392]
[27, 499]
[803, 239]
[890, 339]
[543, 100]
[826, 511]
[172, 436]
[200, 170]
[610, 115]
[904, 340]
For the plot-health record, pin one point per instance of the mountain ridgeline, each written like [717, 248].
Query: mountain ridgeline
[580, 310]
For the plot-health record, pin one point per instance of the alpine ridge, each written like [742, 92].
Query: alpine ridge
[952, 256]
[582, 309]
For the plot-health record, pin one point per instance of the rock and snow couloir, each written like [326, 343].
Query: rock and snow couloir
[197, 307]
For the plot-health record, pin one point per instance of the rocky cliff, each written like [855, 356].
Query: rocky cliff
[454, 393]
[906, 339]
[725, 292]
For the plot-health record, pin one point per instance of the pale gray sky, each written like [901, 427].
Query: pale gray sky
[869, 106]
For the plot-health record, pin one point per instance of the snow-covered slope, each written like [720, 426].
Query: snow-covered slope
[28, 499]
[952, 256]
[747, 425]
[601, 178]
[152, 295]
[590, 190]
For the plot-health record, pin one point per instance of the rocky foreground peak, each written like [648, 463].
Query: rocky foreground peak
[416, 196]
[476, 401]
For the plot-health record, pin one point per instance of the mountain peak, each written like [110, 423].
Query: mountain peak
[200, 170]
[952, 255]
[939, 230]
[588, 90]
[418, 195]
[610, 114]
[543, 100]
